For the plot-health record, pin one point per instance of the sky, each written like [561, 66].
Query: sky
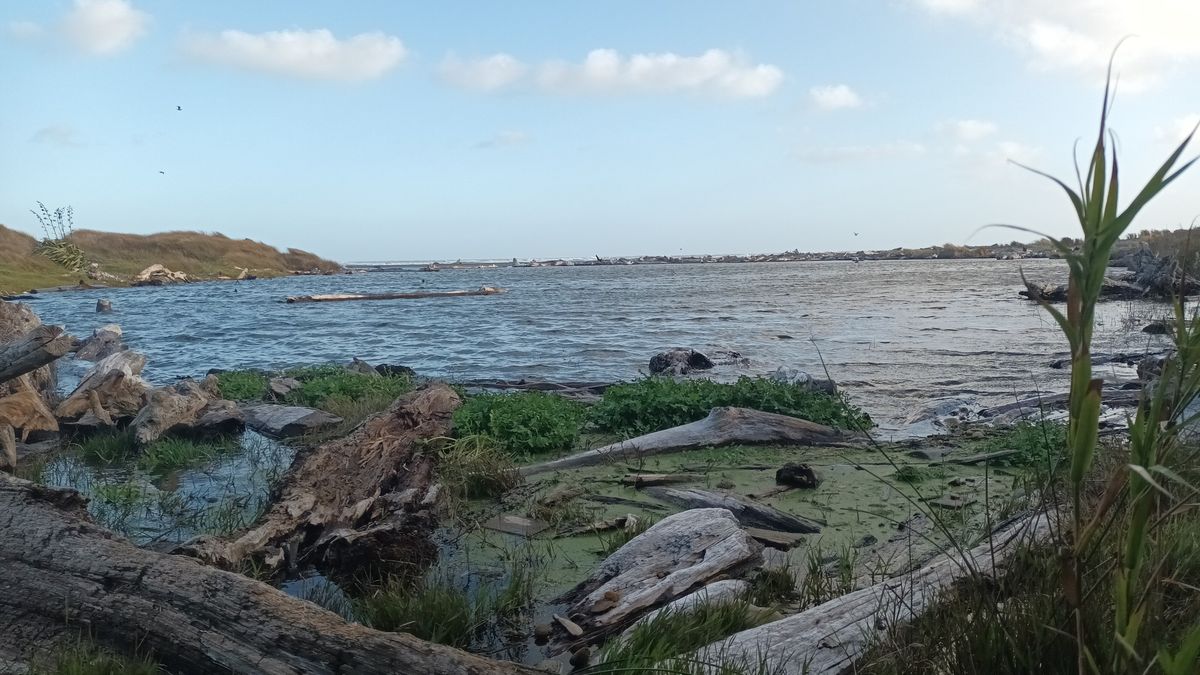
[378, 130]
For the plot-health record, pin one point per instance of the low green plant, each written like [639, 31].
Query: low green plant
[242, 385]
[473, 467]
[911, 473]
[774, 586]
[655, 403]
[86, 658]
[437, 609]
[321, 384]
[1039, 443]
[522, 423]
[663, 643]
[106, 447]
[173, 453]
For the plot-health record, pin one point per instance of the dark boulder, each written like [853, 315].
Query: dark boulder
[679, 361]
[1157, 328]
[797, 475]
[390, 370]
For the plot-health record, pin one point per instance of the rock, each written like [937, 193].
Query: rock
[1151, 366]
[726, 484]
[866, 540]
[542, 633]
[158, 275]
[104, 306]
[796, 376]
[568, 625]
[390, 370]
[679, 361]
[581, 657]
[287, 421]
[362, 367]
[1157, 328]
[280, 387]
[104, 342]
[666, 561]
[797, 475]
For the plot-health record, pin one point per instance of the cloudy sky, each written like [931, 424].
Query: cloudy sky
[381, 130]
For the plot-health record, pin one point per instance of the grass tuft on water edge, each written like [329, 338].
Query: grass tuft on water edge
[473, 467]
[86, 658]
[242, 385]
[522, 423]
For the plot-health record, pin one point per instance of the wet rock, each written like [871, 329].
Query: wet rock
[280, 387]
[104, 342]
[287, 421]
[679, 361]
[581, 657]
[1151, 366]
[795, 376]
[362, 367]
[390, 370]
[797, 475]
[104, 306]
[868, 540]
[1157, 328]
[542, 633]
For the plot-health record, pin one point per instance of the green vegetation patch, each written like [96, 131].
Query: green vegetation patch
[1039, 444]
[85, 658]
[473, 467]
[321, 386]
[522, 423]
[161, 457]
[242, 385]
[656, 403]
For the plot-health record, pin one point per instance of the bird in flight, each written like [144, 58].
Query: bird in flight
[163, 172]
[856, 234]
[179, 107]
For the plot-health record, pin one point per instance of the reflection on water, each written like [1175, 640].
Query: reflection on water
[895, 334]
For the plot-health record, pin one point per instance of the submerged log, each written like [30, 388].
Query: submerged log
[112, 390]
[748, 513]
[674, 556]
[189, 408]
[829, 638]
[343, 297]
[356, 505]
[61, 576]
[723, 426]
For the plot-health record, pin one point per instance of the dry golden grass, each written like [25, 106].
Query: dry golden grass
[198, 254]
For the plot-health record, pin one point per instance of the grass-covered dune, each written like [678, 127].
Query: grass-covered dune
[199, 255]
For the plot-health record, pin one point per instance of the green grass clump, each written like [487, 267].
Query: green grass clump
[911, 473]
[611, 541]
[321, 386]
[662, 643]
[473, 467]
[85, 658]
[773, 586]
[106, 447]
[522, 423]
[242, 385]
[171, 454]
[1038, 443]
[437, 609]
[656, 403]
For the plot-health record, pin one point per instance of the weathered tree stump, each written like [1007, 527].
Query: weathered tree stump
[356, 505]
[188, 408]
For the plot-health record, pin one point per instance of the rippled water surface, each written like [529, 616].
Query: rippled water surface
[895, 335]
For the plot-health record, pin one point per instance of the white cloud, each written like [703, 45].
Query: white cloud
[104, 27]
[1178, 129]
[847, 153]
[605, 71]
[1079, 35]
[487, 74]
[24, 30]
[505, 139]
[1014, 151]
[314, 54]
[835, 97]
[970, 131]
[57, 134]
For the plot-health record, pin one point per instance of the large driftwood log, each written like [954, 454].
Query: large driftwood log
[286, 421]
[723, 426]
[62, 576]
[16, 321]
[24, 410]
[359, 504]
[675, 556]
[112, 390]
[829, 638]
[343, 297]
[104, 341]
[751, 514]
[35, 349]
[186, 407]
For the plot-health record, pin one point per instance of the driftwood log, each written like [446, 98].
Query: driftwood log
[16, 321]
[676, 555]
[361, 504]
[31, 351]
[723, 426]
[343, 297]
[189, 408]
[112, 390]
[829, 638]
[62, 576]
[748, 513]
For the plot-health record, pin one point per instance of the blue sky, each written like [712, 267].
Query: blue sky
[406, 131]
